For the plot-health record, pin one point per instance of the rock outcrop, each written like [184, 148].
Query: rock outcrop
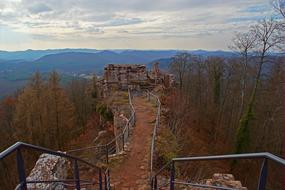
[218, 180]
[225, 180]
[221, 180]
[49, 167]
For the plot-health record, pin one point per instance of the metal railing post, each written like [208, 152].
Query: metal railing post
[107, 154]
[263, 175]
[76, 175]
[21, 170]
[105, 181]
[109, 180]
[172, 175]
[123, 143]
[100, 179]
[155, 182]
[129, 123]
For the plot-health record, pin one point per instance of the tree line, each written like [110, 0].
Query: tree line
[48, 114]
[232, 105]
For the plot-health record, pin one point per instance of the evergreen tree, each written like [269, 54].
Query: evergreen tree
[60, 112]
[29, 109]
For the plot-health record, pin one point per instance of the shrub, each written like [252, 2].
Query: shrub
[166, 147]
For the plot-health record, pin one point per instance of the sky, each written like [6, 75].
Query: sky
[126, 24]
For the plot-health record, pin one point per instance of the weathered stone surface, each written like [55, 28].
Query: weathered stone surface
[124, 75]
[160, 77]
[49, 167]
[135, 76]
[222, 180]
[225, 180]
[223, 176]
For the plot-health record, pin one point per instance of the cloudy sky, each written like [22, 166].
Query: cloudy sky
[125, 24]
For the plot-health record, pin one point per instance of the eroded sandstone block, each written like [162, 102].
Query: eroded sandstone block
[225, 180]
[49, 167]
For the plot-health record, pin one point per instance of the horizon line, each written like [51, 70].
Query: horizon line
[114, 49]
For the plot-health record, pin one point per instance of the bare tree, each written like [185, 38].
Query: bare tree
[266, 39]
[244, 43]
[279, 5]
[179, 65]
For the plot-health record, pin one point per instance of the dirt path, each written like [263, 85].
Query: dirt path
[132, 173]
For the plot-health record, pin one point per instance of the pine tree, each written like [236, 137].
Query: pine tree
[60, 112]
[29, 109]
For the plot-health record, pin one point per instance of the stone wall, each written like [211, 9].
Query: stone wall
[49, 167]
[124, 75]
[134, 76]
[160, 77]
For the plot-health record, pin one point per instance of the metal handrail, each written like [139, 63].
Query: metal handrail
[18, 146]
[262, 177]
[20, 162]
[153, 177]
[266, 155]
[130, 122]
[157, 121]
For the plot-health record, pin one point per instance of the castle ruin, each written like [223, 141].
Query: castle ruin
[134, 76]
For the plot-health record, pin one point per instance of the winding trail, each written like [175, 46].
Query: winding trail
[133, 172]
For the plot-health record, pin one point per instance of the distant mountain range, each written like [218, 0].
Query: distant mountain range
[32, 55]
[16, 67]
[91, 60]
[86, 60]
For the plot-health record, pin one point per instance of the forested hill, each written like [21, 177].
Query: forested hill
[82, 60]
[146, 55]
[16, 67]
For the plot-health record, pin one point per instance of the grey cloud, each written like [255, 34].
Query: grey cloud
[124, 21]
[244, 19]
[80, 28]
[37, 24]
[111, 6]
[76, 19]
[94, 30]
[39, 8]
[44, 37]
[150, 5]
[98, 17]
[4, 16]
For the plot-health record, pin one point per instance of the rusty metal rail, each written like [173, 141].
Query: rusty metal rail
[76, 182]
[265, 156]
[104, 151]
[99, 151]
[156, 126]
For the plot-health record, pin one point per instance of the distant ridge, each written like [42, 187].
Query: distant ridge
[32, 55]
[88, 60]
[218, 53]
[16, 67]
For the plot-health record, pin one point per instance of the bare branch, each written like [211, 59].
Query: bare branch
[279, 5]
